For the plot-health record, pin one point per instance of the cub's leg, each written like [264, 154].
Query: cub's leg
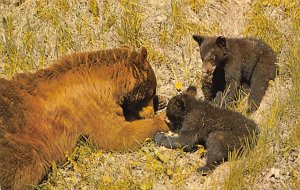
[207, 87]
[218, 144]
[259, 86]
[218, 82]
[186, 140]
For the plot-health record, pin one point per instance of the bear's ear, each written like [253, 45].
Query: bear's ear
[198, 38]
[221, 41]
[133, 56]
[141, 58]
[192, 91]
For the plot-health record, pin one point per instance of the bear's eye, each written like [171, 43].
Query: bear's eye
[177, 104]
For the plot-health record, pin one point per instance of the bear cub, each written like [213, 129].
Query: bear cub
[219, 130]
[235, 63]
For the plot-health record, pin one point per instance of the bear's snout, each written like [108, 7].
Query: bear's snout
[208, 67]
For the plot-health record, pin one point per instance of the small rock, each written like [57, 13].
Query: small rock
[160, 19]
[274, 173]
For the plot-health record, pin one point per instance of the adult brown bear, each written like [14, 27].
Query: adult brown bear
[42, 114]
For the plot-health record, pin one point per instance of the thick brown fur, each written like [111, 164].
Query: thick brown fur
[42, 114]
[219, 130]
[236, 62]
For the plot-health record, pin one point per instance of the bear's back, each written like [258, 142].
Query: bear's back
[75, 62]
[11, 106]
[112, 67]
[250, 48]
[204, 118]
[247, 53]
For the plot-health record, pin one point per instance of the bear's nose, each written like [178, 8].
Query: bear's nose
[204, 71]
[208, 67]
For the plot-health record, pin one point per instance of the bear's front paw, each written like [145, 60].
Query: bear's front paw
[159, 137]
[147, 112]
[220, 100]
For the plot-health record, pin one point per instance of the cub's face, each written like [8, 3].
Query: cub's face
[175, 112]
[177, 107]
[212, 50]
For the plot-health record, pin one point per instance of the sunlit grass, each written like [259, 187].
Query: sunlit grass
[130, 27]
[77, 25]
[244, 174]
[111, 170]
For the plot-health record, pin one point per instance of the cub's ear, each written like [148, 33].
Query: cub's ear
[221, 41]
[198, 38]
[192, 90]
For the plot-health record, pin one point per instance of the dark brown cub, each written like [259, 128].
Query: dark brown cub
[236, 62]
[219, 130]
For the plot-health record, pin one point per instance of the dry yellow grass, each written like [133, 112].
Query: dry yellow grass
[34, 32]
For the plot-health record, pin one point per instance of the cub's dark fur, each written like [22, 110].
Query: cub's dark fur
[219, 130]
[235, 62]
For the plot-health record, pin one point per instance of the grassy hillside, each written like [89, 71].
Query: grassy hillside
[33, 33]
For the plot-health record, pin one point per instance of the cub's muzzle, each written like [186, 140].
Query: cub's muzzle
[208, 67]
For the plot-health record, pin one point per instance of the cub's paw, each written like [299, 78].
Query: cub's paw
[159, 137]
[219, 100]
[147, 112]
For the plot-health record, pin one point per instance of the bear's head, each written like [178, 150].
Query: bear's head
[143, 74]
[143, 84]
[213, 52]
[177, 107]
